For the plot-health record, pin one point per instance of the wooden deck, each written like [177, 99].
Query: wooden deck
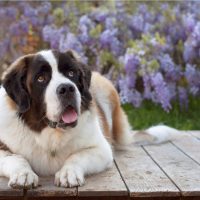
[167, 171]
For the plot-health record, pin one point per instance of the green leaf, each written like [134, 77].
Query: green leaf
[95, 32]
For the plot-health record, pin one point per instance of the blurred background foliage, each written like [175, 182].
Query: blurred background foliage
[150, 50]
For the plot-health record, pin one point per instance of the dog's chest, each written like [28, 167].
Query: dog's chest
[45, 152]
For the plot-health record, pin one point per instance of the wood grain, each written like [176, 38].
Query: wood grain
[141, 168]
[142, 176]
[190, 146]
[6, 191]
[195, 134]
[184, 172]
[48, 189]
[107, 183]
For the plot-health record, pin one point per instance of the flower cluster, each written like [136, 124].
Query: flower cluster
[151, 51]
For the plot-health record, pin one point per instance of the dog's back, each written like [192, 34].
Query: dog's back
[113, 119]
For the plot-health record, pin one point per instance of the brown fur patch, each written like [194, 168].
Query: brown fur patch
[20, 83]
[16, 81]
[104, 123]
[58, 132]
[143, 137]
[119, 119]
[31, 119]
[17, 65]
[4, 147]
[117, 128]
[28, 82]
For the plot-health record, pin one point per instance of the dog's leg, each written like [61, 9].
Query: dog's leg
[87, 161]
[18, 170]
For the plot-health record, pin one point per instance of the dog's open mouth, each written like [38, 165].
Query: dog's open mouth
[69, 117]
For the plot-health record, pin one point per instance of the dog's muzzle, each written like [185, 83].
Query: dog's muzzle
[68, 118]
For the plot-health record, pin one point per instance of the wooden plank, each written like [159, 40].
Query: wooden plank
[184, 172]
[48, 189]
[195, 133]
[190, 146]
[107, 183]
[142, 176]
[6, 191]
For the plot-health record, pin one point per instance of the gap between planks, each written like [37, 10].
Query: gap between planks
[137, 156]
[142, 176]
[180, 161]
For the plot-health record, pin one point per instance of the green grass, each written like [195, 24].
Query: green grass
[150, 114]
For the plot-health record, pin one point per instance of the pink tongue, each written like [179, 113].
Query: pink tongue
[69, 116]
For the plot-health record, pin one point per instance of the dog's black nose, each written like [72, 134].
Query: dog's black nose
[65, 89]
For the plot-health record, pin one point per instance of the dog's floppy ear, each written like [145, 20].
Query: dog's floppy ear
[85, 80]
[14, 82]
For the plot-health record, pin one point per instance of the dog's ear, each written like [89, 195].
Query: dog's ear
[85, 79]
[14, 82]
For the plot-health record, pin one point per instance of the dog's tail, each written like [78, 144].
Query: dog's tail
[153, 135]
[156, 135]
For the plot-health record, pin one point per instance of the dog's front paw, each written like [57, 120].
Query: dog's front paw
[69, 177]
[23, 179]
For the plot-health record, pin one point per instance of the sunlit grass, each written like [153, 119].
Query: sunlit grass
[150, 114]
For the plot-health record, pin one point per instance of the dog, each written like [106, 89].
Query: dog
[59, 118]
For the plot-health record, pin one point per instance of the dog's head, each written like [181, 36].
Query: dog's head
[49, 88]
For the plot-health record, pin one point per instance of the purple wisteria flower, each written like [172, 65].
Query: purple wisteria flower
[69, 41]
[189, 22]
[128, 95]
[52, 34]
[162, 92]
[189, 52]
[147, 87]
[11, 12]
[85, 26]
[23, 25]
[151, 52]
[183, 97]
[137, 23]
[109, 40]
[131, 63]
[99, 15]
[172, 71]
[4, 45]
[110, 23]
[192, 75]
[45, 8]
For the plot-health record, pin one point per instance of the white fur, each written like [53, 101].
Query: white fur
[50, 58]
[68, 154]
[51, 98]
[155, 135]
[105, 104]
[18, 170]
[72, 148]
[162, 133]
[101, 96]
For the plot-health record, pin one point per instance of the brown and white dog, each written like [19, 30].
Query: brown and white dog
[58, 118]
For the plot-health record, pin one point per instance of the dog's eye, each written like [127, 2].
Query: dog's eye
[70, 73]
[41, 78]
